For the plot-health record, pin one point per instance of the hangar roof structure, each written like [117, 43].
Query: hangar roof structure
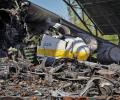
[105, 13]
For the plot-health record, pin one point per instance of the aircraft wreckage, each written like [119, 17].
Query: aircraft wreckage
[44, 57]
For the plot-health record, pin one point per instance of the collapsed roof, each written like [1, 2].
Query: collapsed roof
[105, 13]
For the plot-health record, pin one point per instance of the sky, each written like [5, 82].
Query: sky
[56, 6]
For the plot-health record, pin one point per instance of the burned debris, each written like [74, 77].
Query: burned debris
[13, 28]
[41, 57]
[66, 78]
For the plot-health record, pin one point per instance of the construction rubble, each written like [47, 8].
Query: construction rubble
[51, 62]
[64, 78]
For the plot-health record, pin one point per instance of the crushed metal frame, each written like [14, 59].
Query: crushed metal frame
[75, 6]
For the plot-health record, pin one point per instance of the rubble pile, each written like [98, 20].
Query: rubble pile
[65, 77]
[50, 62]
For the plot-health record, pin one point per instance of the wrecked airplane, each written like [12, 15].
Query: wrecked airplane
[43, 55]
[20, 20]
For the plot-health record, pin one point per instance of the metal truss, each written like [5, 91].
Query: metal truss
[76, 7]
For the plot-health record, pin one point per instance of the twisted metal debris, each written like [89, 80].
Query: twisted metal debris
[22, 74]
[69, 79]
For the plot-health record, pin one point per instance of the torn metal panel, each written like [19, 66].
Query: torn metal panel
[22, 26]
